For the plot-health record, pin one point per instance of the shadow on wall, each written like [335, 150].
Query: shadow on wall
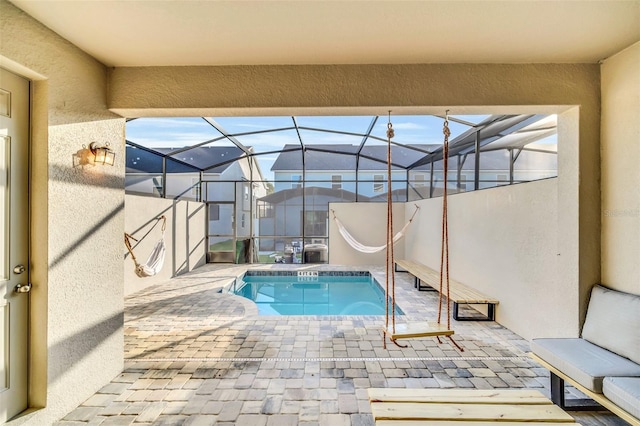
[85, 237]
[185, 237]
[193, 212]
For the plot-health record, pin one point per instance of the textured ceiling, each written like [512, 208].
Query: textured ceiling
[172, 32]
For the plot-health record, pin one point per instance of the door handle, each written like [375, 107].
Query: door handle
[18, 269]
[22, 288]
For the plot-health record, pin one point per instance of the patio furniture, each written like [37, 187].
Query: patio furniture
[458, 292]
[397, 406]
[604, 363]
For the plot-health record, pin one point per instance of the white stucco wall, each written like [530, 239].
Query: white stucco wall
[76, 336]
[504, 242]
[367, 223]
[184, 237]
[620, 171]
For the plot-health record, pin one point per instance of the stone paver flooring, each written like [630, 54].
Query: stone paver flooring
[195, 356]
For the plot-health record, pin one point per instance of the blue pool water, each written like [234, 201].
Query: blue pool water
[323, 295]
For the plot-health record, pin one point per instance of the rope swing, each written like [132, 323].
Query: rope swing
[389, 269]
[406, 331]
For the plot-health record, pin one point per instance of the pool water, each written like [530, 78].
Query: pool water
[323, 295]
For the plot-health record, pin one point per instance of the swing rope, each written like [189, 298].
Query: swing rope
[444, 254]
[390, 270]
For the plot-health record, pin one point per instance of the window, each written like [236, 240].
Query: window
[336, 182]
[418, 181]
[246, 192]
[214, 211]
[378, 183]
[502, 179]
[242, 220]
[315, 223]
[296, 181]
[266, 210]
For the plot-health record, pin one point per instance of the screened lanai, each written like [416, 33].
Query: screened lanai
[268, 181]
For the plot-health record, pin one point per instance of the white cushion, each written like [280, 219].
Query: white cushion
[613, 322]
[584, 362]
[624, 392]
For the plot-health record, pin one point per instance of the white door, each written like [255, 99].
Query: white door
[14, 244]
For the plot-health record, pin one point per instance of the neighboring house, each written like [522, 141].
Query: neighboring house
[325, 167]
[337, 171]
[144, 174]
[226, 187]
[282, 221]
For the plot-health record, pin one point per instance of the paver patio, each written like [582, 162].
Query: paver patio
[195, 356]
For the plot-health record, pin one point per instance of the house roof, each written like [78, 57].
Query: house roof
[140, 160]
[321, 157]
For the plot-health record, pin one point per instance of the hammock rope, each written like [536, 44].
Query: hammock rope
[155, 261]
[357, 245]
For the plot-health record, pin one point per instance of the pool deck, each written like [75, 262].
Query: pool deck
[195, 356]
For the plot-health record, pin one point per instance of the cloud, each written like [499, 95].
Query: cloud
[408, 126]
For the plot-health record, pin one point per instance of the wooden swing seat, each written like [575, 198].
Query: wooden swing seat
[413, 330]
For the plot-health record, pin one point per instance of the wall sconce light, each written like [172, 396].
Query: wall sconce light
[93, 155]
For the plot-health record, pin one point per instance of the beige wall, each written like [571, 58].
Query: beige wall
[621, 171]
[185, 237]
[77, 220]
[367, 223]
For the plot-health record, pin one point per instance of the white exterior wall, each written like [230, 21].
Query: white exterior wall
[322, 179]
[184, 237]
[503, 242]
[620, 171]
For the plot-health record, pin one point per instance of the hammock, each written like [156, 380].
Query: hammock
[155, 261]
[369, 249]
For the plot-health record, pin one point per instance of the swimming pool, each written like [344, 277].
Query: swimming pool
[312, 293]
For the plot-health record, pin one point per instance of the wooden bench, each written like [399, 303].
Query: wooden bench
[458, 292]
[457, 407]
